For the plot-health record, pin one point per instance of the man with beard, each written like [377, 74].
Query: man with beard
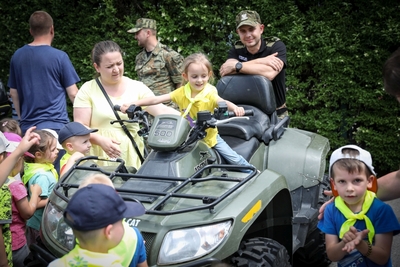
[256, 55]
[157, 66]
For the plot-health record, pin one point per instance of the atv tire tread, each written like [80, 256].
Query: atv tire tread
[257, 252]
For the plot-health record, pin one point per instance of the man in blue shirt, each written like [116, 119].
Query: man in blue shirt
[40, 78]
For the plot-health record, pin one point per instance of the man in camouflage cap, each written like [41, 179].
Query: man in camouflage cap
[157, 65]
[256, 55]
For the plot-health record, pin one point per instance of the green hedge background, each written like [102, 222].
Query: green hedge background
[335, 48]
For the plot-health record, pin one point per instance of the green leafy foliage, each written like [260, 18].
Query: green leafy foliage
[335, 50]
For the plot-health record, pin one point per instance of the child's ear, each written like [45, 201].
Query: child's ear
[184, 75]
[332, 183]
[371, 181]
[38, 155]
[69, 147]
[107, 231]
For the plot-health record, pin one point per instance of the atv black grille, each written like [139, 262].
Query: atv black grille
[149, 238]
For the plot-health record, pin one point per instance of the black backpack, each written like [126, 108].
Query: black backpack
[5, 106]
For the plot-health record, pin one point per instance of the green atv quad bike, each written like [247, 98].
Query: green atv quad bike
[201, 211]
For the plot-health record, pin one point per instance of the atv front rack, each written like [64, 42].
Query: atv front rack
[157, 192]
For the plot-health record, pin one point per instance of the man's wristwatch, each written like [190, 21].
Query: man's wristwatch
[238, 66]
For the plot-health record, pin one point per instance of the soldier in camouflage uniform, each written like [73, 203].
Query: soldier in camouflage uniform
[157, 66]
[256, 55]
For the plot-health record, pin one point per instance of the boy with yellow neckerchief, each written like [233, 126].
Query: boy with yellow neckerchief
[358, 227]
[99, 246]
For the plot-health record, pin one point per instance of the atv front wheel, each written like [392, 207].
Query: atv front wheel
[257, 252]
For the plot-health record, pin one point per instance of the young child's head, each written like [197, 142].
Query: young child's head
[14, 140]
[351, 172]
[75, 137]
[5, 147]
[10, 125]
[98, 223]
[197, 71]
[97, 178]
[46, 151]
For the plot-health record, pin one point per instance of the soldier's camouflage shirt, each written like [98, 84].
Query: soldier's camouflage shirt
[161, 71]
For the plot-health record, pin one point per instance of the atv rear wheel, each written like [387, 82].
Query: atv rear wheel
[257, 252]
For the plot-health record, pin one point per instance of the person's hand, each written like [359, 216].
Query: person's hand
[28, 140]
[77, 155]
[322, 208]
[352, 238]
[111, 147]
[273, 61]
[239, 111]
[35, 189]
[125, 106]
[229, 67]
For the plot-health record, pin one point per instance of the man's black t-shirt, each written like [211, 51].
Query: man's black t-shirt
[240, 53]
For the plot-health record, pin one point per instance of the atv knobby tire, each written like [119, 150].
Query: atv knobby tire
[257, 252]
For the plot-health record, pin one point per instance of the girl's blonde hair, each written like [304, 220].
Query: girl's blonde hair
[198, 58]
[10, 125]
[46, 139]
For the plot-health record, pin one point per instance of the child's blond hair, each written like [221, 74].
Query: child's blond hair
[10, 125]
[97, 178]
[198, 58]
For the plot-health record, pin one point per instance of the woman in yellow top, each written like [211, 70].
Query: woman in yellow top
[92, 109]
[198, 95]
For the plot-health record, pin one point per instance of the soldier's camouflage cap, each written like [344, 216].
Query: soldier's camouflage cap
[143, 23]
[247, 17]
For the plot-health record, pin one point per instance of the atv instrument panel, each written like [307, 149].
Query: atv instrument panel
[168, 132]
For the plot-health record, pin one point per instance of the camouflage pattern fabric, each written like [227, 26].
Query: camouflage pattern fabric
[144, 23]
[5, 220]
[161, 71]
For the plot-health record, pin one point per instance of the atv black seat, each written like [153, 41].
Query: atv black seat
[251, 92]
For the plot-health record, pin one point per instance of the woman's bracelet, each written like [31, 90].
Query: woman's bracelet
[369, 249]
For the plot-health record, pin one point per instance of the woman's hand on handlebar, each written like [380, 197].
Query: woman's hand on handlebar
[125, 106]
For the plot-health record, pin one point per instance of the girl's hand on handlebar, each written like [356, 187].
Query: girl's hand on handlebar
[239, 111]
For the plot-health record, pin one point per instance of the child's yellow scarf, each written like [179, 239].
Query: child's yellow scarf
[201, 96]
[30, 169]
[352, 218]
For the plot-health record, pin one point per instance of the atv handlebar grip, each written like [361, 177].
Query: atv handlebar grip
[117, 107]
[247, 112]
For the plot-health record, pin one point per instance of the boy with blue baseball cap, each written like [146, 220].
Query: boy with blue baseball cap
[98, 226]
[75, 139]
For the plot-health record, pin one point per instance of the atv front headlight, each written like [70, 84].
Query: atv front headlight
[188, 244]
[56, 228]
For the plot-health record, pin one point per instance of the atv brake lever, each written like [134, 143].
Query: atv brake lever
[230, 119]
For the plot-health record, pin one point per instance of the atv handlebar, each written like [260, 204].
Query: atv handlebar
[247, 112]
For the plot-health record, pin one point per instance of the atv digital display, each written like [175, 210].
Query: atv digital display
[168, 132]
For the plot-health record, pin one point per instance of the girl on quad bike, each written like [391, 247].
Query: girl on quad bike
[198, 95]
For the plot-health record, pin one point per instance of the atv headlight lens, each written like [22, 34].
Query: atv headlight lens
[56, 228]
[188, 244]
